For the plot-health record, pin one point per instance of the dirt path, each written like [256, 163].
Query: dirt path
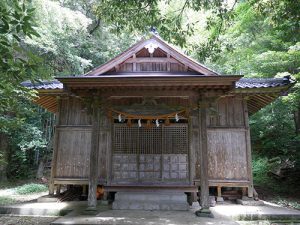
[12, 197]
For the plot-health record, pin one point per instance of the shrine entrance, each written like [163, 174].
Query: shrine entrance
[155, 155]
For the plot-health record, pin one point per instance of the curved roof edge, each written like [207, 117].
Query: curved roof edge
[243, 83]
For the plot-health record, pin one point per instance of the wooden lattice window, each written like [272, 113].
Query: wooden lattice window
[156, 140]
[155, 154]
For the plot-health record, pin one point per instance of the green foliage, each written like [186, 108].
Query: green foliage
[254, 45]
[63, 40]
[17, 64]
[132, 16]
[262, 40]
[287, 203]
[31, 188]
[70, 42]
[260, 167]
[2, 161]
[28, 142]
[273, 131]
[7, 200]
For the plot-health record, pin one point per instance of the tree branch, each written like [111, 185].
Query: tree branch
[98, 21]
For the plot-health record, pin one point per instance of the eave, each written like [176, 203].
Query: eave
[258, 93]
[142, 80]
[257, 98]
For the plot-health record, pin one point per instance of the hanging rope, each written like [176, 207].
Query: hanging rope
[149, 118]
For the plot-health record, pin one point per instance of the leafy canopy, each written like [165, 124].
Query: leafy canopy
[17, 64]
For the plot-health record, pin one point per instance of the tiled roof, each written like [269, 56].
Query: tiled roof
[262, 82]
[44, 85]
[243, 83]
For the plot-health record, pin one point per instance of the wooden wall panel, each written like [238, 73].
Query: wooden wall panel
[227, 112]
[152, 67]
[227, 154]
[73, 112]
[74, 147]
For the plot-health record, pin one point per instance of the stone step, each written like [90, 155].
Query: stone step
[150, 201]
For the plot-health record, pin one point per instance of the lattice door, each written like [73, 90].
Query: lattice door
[155, 155]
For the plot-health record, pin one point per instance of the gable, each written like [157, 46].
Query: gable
[152, 55]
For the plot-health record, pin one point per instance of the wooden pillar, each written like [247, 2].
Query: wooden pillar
[194, 156]
[219, 191]
[204, 194]
[248, 147]
[244, 191]
[55, 149]
[92, 198]
[84, 190]
[58, 187]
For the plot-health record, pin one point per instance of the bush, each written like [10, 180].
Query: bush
[6, 200]
[261, 168]
[287, 203]
[31, 188]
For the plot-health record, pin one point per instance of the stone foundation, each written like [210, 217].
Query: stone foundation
[150, 201]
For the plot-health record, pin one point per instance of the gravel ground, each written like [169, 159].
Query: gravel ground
[25, 220]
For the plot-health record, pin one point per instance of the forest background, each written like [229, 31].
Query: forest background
[41, 39]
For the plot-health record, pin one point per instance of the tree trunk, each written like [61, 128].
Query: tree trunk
[4, 149]
[40, 170]
[297, 120]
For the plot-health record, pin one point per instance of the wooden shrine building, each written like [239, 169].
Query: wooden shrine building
[153, 118]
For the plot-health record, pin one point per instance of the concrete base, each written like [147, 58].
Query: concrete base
[251, 213]
[250, 202]
[220, 199]
[204, 213]
[212, 201]
[36, 209]
[90, 211]
[150, 201]
[47, 198]
[195, 206]
[140, 217]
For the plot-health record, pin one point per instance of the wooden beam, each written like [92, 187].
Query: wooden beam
[151, 60]
[118, 59]
[133, 93]
[117, 68]
[262, 99]
[152, 188]
[55, 149]
[253, 105]
[134, 63]
[186, 68]
[228, 183]
[204, 186]
[193, 138]
[149, 80]
[248, 149]
[219, 191]
[184, 59]
[92, 198]
[168, 62]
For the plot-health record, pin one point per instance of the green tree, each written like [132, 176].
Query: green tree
[170, 18]
[16, 65]
[51, 39]
[70, 41]
[262, 40]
